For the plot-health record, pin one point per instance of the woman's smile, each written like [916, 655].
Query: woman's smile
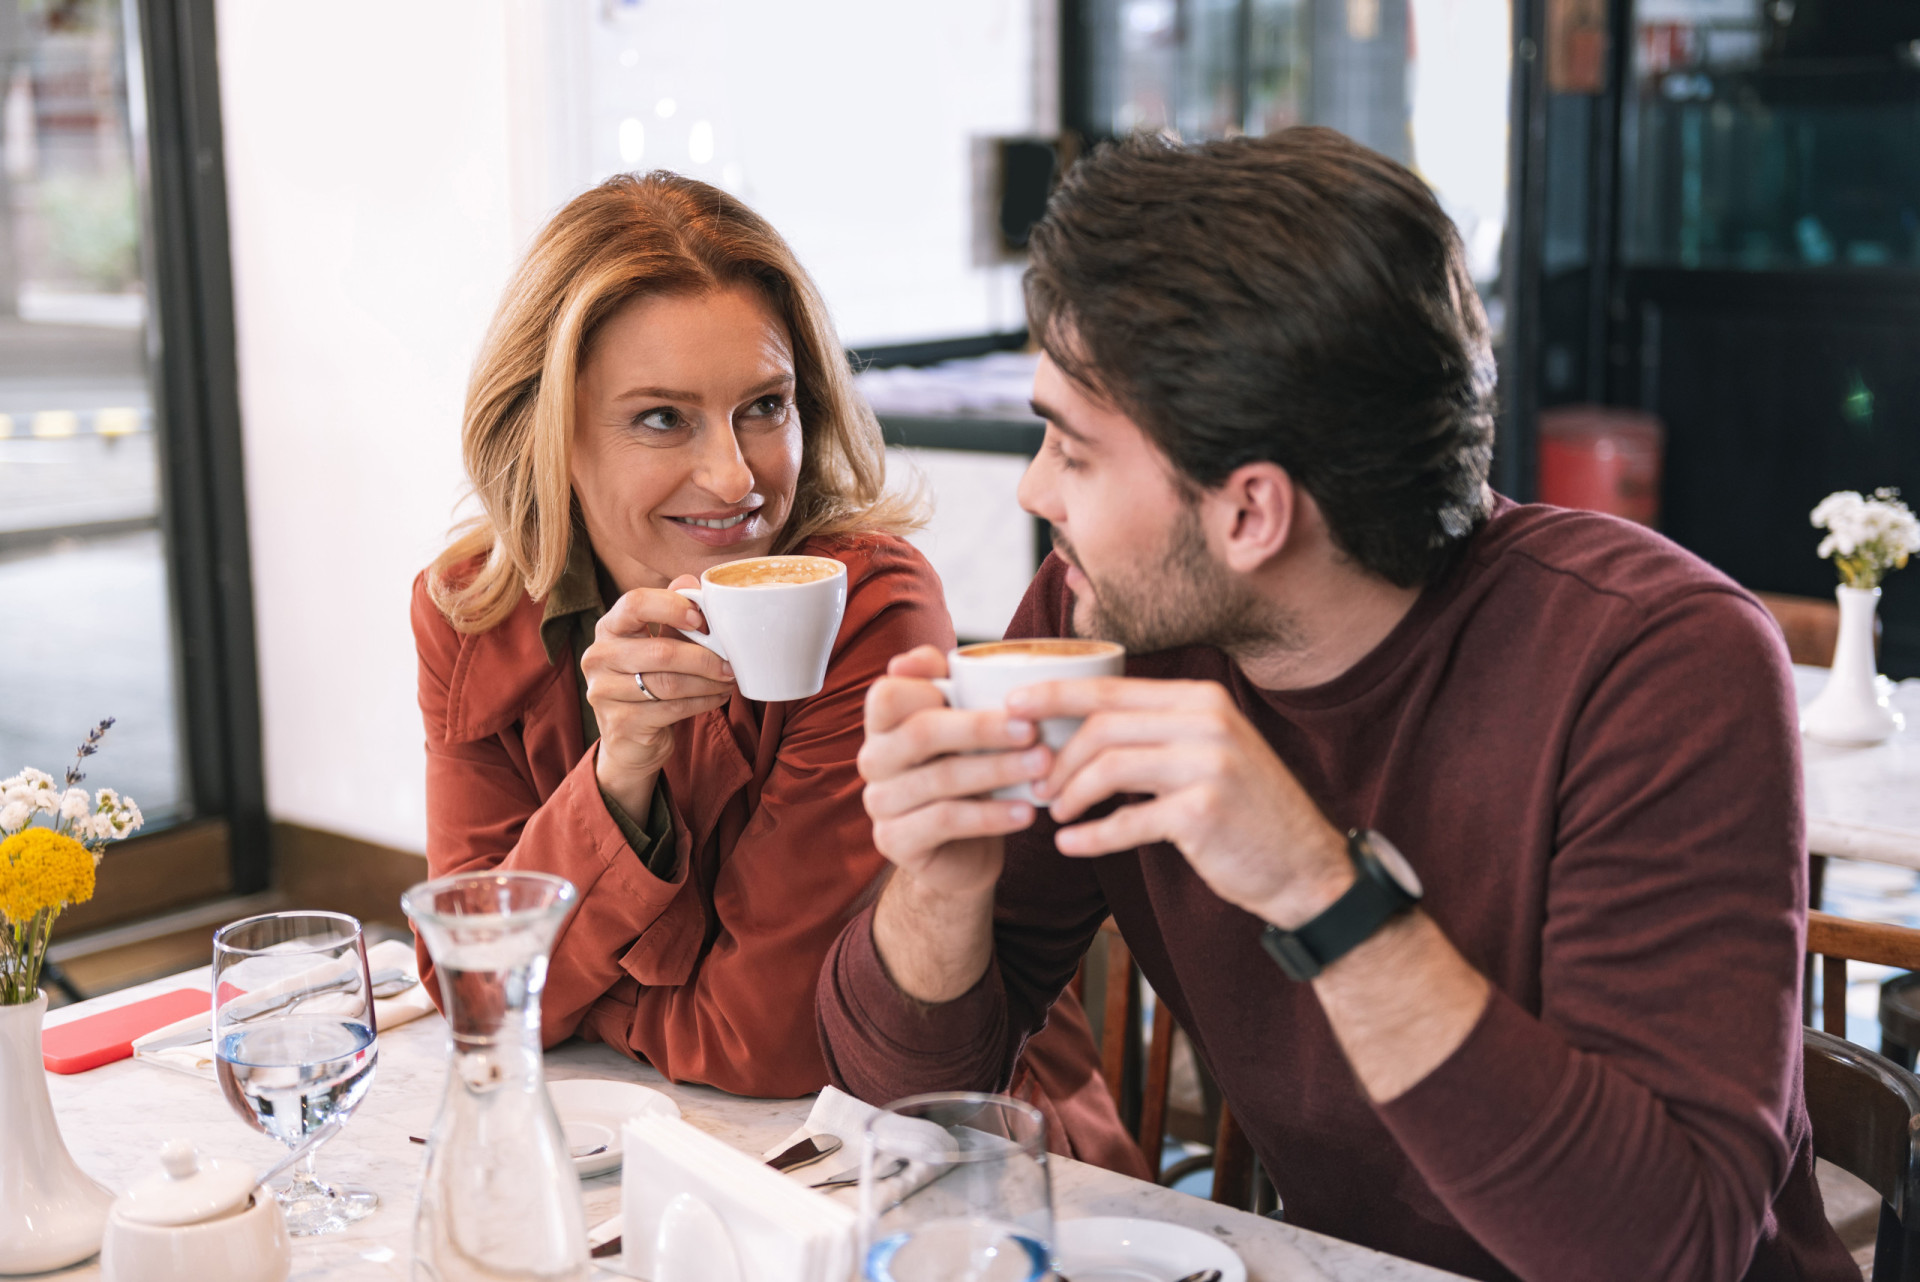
[723, 528]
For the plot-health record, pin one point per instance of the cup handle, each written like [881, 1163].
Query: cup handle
[945, 686]
[706, 639]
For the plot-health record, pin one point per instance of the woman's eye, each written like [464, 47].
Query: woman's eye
[664, 419]
[767, 406]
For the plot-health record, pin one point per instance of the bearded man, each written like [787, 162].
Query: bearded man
[1464, 838]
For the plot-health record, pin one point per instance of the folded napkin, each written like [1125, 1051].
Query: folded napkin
[839, 1114]
[197, 1059]
[779, 1230]
[834, 1113]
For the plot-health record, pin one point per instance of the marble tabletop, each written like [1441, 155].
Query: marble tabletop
[116, 1117]
[1864, 803]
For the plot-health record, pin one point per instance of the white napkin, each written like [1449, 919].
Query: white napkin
[834, 1113]
[197, 1059]
[839, 1114]
[781, 1231]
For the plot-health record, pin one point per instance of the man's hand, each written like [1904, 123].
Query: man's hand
[636, 732]
[928, 769]
[1215, 790]
[1400, 1003]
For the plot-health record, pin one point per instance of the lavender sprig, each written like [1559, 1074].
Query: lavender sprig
[87, 749]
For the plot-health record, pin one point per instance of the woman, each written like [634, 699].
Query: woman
[661, 391]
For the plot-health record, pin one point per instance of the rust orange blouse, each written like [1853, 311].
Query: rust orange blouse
[709, 976]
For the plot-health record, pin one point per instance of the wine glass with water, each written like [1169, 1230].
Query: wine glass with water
[293, 1037]
[954, 1188]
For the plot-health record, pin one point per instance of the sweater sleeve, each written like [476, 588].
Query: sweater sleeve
[882, 1045]
[484, 815]
[1637, 1125]
[802, 867]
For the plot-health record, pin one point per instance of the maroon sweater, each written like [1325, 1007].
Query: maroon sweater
[1584, 740]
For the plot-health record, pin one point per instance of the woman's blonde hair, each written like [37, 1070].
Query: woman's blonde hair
[637, 235]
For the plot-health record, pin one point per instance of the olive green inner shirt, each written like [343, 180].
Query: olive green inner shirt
[572, 610]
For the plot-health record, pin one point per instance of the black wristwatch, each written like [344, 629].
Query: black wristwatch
[1385, 886]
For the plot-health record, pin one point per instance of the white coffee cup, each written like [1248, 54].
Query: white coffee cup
[774, 618]
[982, 676]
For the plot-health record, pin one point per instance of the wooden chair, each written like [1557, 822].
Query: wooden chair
[1838, 940]
[1865, 1111]
[1138, 1072]
[1811, 626]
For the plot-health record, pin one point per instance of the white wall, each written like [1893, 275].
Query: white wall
[385, 161]
[367, 161]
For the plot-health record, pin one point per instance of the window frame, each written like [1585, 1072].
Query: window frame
[221, 845]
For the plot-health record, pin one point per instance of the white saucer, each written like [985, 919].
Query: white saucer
[1113, 1249]
[592, 1110]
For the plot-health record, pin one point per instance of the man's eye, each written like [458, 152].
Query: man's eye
[664, 419]
[1067, 460]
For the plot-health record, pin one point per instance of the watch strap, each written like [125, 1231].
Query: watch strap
[1374, 899]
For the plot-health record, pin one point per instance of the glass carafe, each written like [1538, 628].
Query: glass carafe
[499, 1199]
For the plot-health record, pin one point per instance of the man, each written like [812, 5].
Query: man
[1555, 1035]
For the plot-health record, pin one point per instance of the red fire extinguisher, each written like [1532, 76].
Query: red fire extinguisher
[1602, 459]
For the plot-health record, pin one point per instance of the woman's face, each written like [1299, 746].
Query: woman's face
[686, 442]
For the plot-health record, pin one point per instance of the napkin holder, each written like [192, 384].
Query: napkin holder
[779, 1230]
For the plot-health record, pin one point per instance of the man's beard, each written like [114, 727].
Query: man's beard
[1187, 599]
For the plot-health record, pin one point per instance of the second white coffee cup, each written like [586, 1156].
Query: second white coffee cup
[982, 676]
[774, 618]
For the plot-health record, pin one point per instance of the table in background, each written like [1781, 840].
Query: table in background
[116, 1117]
[1864, 803]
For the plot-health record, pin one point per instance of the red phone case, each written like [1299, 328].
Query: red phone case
[103, 1038]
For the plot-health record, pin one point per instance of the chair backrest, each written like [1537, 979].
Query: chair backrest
[1838, 940]
[1812, 626]
[1865, 1111]
[1138, 1072]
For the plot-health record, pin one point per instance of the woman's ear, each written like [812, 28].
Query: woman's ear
[1250, 517]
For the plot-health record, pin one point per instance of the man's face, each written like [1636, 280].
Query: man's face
[1140, 570]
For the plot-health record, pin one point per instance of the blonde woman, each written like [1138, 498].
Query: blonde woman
[662, 391]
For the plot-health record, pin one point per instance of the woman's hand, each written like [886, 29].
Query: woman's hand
[682, 680]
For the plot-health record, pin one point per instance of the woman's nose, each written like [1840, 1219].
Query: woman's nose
[722, 470]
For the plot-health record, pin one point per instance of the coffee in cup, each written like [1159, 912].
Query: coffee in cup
[981, 676]
[774, 618]
[770, 571]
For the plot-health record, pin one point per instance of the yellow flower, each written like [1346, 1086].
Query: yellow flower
[40, 868]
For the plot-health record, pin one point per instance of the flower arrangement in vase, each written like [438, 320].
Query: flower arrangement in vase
[1866, 538]
[51, 1213]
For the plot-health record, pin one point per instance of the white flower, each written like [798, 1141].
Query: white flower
[106, 799]
[76, 804]
[131, 813]
[1867, 536]
[14, 816]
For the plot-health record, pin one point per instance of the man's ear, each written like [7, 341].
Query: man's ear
[1251, 517]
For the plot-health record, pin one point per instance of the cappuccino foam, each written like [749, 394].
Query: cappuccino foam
[768, 571]
[1039, 650]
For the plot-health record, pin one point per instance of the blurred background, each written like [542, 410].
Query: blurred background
[247, 251]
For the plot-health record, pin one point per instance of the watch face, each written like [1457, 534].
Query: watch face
[1395, 863]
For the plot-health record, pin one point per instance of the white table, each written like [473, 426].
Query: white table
[116, 1117]
[1864, 803]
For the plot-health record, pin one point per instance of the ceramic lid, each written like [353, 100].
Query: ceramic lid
[187, 1190]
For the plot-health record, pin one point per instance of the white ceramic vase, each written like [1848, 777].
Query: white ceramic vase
[1851, 710]
[51, 1213]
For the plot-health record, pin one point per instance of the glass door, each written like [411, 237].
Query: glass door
[86, 626]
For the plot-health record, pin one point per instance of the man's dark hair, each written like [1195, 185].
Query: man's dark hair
[1296, 299]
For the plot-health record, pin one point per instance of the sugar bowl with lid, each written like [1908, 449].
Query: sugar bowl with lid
[196, 1220]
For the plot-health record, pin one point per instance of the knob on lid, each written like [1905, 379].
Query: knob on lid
[187, 1190]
